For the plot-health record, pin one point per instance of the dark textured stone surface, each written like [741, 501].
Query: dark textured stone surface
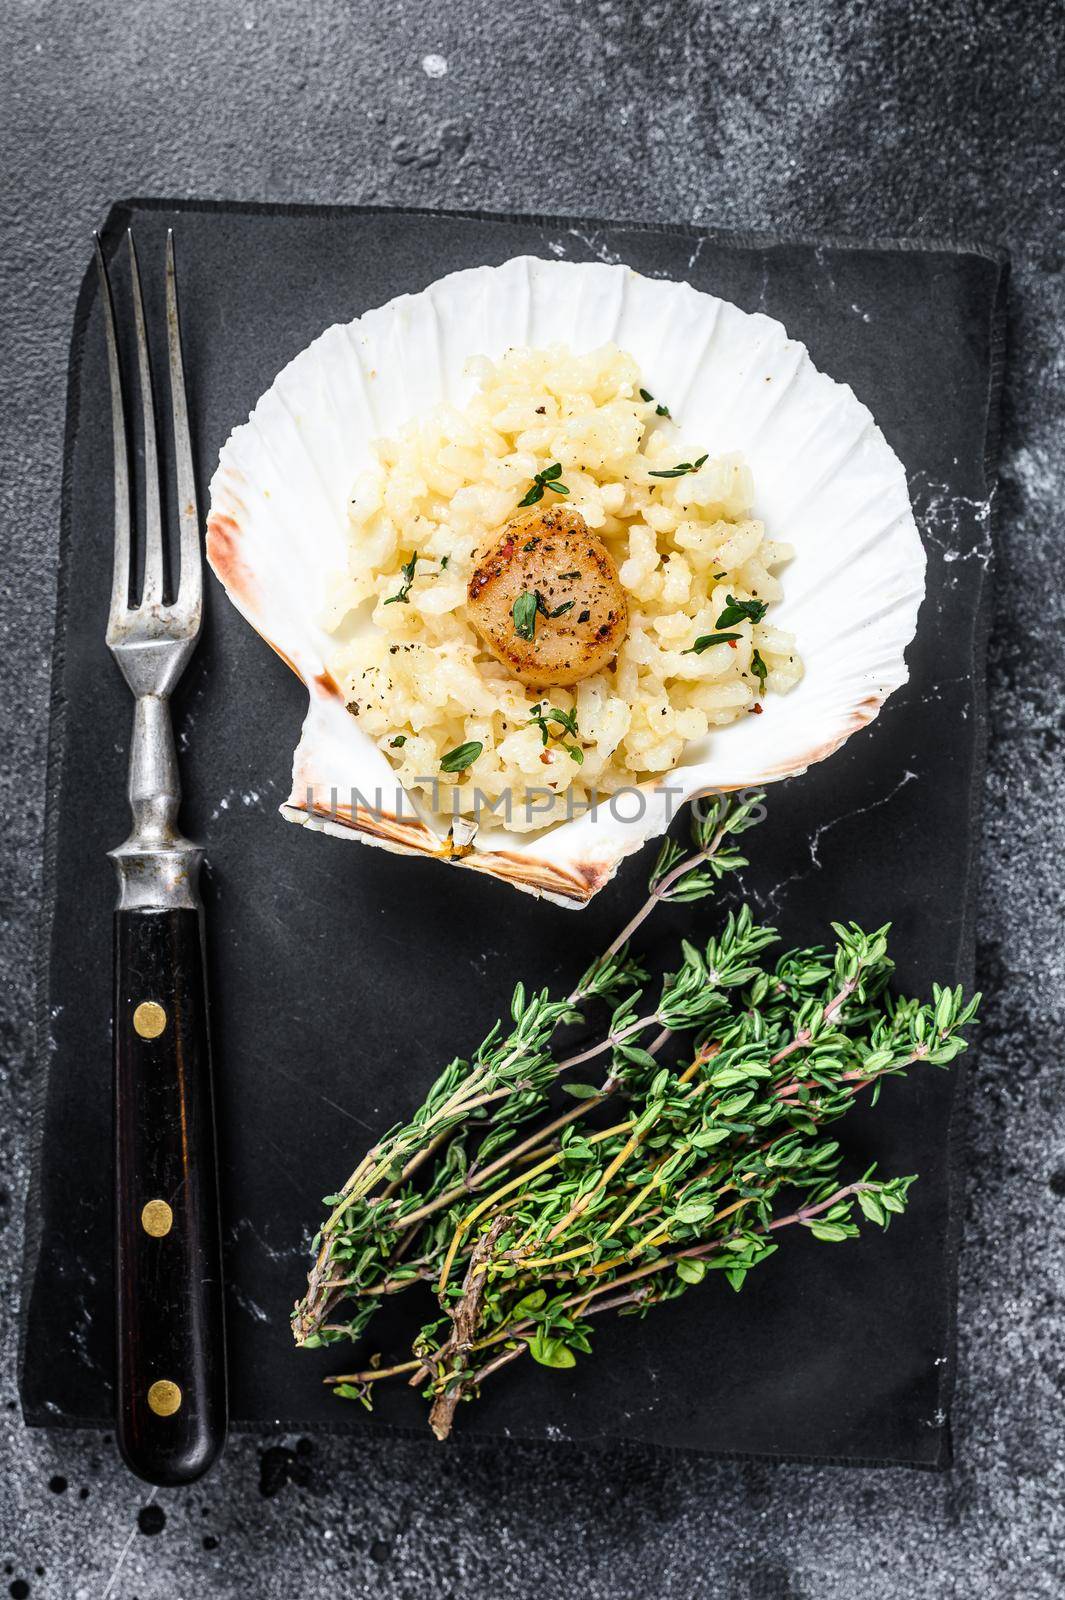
[907, 119]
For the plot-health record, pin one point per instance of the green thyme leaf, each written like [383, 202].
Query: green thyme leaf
[543, 713]
[828, 1232]
[681, 470]
[348, 1391]
[528, 604]
[463, 756]
[550, 1352]
[568, 719]
[550, 478]
[709, 1137]
[660, 411]
[398, 741]
[741, 611]
[705, 640]
[538, 720]
[402, 596]
[759, 669]
[524, 613]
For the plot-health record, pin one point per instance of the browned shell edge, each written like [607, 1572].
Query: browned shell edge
[574, 886]
[406, 837]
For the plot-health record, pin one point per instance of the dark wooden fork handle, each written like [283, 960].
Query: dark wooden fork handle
[171, 1410]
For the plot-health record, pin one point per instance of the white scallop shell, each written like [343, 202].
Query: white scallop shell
[825, 480]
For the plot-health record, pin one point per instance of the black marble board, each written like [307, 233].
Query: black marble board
[342, 976]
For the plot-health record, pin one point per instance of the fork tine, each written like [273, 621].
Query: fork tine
[120, 571]
[190, 591]
[153, 522]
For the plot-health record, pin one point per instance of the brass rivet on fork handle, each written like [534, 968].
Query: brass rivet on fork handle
[164, 1398]
[149, 1019]
[157, 1219]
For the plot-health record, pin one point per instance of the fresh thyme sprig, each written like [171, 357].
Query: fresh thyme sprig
[735, 611]
[660, 410]
[463, 756]
[526, 607]
[658, 1174]
[705, 640]
[741, 611]
[550, 478]
[681, 470]
[759, 670]
[402, 595]
[510, 1072]
[543, 714]
[524, 612]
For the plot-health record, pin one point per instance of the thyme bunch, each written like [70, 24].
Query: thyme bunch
[478, 1102]
[659, 1174]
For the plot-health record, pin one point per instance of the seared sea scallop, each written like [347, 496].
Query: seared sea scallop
[546, 599]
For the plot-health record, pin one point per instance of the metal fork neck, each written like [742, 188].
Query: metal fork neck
[157, 867]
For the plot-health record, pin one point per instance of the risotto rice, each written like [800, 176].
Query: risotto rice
[410, 662]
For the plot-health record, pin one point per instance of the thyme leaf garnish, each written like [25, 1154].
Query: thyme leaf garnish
[527, 605]
[543, 714]
[402, 597]
[741, 611]
[550, 478]
[760, 671]
[681, 470]
[660, 411]
[524, 612]
[705, 640]
[463, 756]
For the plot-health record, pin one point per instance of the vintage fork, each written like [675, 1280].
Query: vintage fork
[171, 1379]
